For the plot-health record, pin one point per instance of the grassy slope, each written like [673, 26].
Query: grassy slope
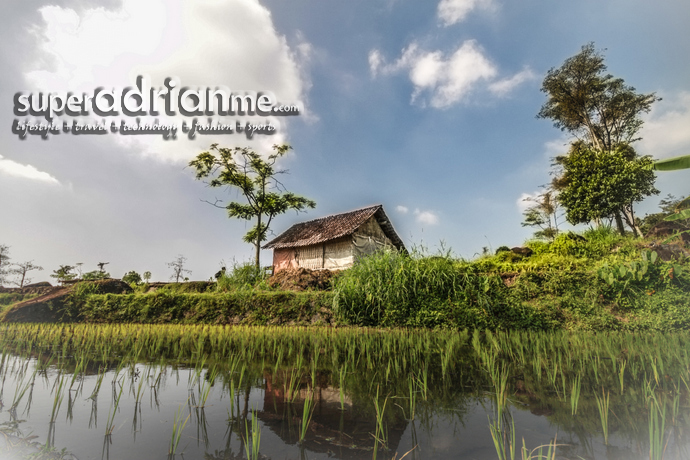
[596, 281]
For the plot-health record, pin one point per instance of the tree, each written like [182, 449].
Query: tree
[543, 214]
[178, 268]
[147, 276]
[4, 262]
[255, 177]
[591, 105]
[132, 278]
[95, 275]
[595, 184]
[603, 114]
[21, 271]
[64, 273]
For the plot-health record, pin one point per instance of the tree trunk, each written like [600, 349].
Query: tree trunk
[258, 243]
[619, 223]
[629, 216]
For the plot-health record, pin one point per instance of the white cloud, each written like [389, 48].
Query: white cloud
[426, 217]
[205, 43]
[507, 85]
[12, 168]
[448, 80]
[453, 11]
[402, 209]
[666, 130]
[525, 200]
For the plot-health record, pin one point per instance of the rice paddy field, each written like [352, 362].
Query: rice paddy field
[123, 391]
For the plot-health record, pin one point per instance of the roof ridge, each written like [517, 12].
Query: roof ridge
[341, 214]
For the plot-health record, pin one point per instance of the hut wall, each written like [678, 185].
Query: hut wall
[284, 258]
[369, 238]
[310, 256]
[338, 254]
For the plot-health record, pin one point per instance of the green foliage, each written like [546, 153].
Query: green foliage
[4, 262]
[598, 184]
[543, 213]
[398, 289]
[631, 281]
[132, 278]
[246, 170]
[95, 275]
[64, 273]
[244, 307]
[242, 277]
[592, 105]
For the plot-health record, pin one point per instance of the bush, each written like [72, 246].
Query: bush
[242, 277]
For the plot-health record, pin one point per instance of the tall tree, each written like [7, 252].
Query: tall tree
[604, 115]
[255, 177]
[596, 184]
[590, 104]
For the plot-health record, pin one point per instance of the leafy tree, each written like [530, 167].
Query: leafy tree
[132, 278]
[178, 268]
[592, 105]
[64, 273]
[21, 271]
[95, 275]
[146, 276]
[604, 115]
[543, 214]
[595, 184]
[255, 177]
[4, 262]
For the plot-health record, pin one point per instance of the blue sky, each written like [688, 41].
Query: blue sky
[425, 107]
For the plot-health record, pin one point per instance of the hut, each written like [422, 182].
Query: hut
[334, 242]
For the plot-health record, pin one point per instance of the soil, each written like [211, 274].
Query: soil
[50, 307]
[302, 279]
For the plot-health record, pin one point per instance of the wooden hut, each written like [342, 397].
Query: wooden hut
[334, 242]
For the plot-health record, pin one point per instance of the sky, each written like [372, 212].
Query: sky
[428, 108]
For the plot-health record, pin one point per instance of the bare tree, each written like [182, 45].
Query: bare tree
[21, 271]
[178, 268]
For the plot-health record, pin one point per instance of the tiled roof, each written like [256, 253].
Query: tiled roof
[331, 227]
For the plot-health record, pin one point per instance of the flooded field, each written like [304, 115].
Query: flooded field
[205, 392]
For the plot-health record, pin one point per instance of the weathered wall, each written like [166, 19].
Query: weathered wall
[369, 238]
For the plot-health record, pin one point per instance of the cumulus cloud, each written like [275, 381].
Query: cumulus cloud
[426, 217]
[665, 132]
[447, 79]
[402, 209]
[507, 85]
[453, 11]
[12, 168]
[206, 43]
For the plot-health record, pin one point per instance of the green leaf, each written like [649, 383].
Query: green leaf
[653, 256]
[673, 164]
[684, 214]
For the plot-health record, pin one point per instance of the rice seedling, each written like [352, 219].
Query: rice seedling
[575, 394]
[208, 383]
[110, 424]
[307, 412]
[178, 427]
[252, 448]
[535, 454]
[381, 436]
[603, 408]
[502, 435]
